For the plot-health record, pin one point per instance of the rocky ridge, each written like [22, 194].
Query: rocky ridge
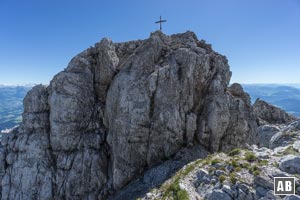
[270, 114]
[120, 109]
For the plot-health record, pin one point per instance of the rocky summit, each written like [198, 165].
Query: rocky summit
[127, 115]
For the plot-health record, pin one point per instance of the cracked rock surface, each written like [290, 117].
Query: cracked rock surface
[119, 109]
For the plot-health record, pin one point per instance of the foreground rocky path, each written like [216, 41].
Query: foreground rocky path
[242, 174]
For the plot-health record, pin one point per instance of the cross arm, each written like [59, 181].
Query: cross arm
[161, 21]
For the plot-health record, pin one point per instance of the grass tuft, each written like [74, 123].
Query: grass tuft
[238, 169]
[233, 178]
[256, 172]
[234, 163]
[263, 162]
[222, 178]
[235, 152]
[290, 150]
[215, 161]
[253, 168]
[249, 156]
[245, 165]
[175, 192]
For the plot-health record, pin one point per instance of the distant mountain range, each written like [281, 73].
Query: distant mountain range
[11, 104]
[283, 96]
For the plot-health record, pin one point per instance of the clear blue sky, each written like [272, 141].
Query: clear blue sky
[261, 38]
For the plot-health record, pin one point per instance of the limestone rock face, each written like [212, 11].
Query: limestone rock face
[230, 109]
[271, 114]
[27, 159]
[119, 109]
[242, 125]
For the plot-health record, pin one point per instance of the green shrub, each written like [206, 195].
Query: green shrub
[245, 165]
[182, 195]
[198, 162]
[249, 156]
[263, 162]
[215, 161]
[174, 191]
[222, 178]
[253, 168]
[238, 169]
[234, 152]
[206, 162]
[256, 172]
[233, 177]
[234, 163]
[188, 169]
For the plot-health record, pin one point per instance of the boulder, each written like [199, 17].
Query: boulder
[282, 138]
[265, 134]
[262, 184]
[290, 164]
[292, 197]
[218, 194]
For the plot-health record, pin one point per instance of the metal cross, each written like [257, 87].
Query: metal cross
[160, 21]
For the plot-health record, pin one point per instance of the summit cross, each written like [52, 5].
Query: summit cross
[160, 22]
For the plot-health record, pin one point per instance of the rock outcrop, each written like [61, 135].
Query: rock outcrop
[265, 133]
[286, 135]
[117, 110]
[268, 113]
